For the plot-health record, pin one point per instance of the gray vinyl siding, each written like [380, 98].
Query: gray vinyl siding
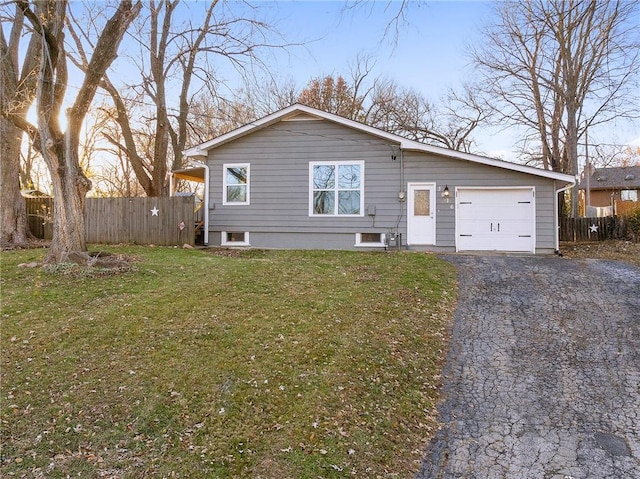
[279, 185]
[458, 173]
[278, 213]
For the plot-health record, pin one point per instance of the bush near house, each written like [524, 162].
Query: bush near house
[633, 221]
[263, 364]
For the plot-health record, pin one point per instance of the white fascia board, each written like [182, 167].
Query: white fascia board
[404, 143]
[195, 153]
[410, 145]
[248, 128]
[283, 115]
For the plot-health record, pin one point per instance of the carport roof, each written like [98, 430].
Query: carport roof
[191, 174]
[200, 151]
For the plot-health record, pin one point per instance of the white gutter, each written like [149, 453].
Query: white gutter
[206, 196]
[555, 214]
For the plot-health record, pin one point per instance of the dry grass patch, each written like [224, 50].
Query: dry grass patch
[261, 364]
[612, 249]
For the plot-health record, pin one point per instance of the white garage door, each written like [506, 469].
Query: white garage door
[495, 219]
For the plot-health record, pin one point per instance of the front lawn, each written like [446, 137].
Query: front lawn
[263, 364]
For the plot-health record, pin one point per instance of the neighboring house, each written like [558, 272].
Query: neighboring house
[304, 178]
[615, 189]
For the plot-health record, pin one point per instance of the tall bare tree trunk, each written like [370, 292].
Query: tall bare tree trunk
[17, 91]
[14, 225]
[555, 67]
[60, 149]
[69, 190]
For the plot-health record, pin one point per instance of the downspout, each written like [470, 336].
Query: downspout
[556, 220]
[206, 204]
[206, 197]
[402, 203]
[402, 198]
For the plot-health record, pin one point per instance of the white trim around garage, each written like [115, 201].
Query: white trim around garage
[495, 219]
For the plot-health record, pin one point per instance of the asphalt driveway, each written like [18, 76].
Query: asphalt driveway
[543, 374]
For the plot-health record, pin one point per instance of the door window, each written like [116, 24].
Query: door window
[421, 203]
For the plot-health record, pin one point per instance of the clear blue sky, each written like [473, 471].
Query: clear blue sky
[427, 53]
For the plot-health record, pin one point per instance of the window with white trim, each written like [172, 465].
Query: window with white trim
[234, 238]
[235, 184]
[370, 239]
[629, 195]
[336, 188]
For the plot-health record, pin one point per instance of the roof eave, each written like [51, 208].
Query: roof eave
[201, 151]
[435, 150]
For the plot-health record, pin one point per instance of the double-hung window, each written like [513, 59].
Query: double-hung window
[336, 188]
[235, 188]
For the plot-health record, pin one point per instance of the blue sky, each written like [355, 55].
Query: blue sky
[428, 54]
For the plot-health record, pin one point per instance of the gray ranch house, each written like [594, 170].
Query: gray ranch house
[302, 178]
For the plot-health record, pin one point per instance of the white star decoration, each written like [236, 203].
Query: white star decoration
[593, 229]
[155, 211]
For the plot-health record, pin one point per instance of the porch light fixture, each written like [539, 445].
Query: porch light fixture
[445, 192]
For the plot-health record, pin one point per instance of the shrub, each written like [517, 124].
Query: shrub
[633, 224]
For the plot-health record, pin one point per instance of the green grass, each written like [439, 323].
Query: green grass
[266, 364]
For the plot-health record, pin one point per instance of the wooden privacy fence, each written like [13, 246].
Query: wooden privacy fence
[592, 229]
[39, 217]
[162, 221]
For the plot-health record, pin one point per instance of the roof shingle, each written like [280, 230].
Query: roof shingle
[615, 178]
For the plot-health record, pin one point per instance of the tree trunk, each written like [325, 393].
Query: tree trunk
[571, 145]
[60, 149]
[14, 227]
[68, 243]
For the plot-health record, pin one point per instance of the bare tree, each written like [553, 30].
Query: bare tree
[609, 155]
[17, 93]
[175, 55]
[559, 67]
[398, 14]
[212, 115]
[359, 96]
[384, 104]
[333, 95]
[60, 148]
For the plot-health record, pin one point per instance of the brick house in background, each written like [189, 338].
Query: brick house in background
[612, 191]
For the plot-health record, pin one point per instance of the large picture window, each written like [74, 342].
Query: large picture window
[235, 188]
[336, 188]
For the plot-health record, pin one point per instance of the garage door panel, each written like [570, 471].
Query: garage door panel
[495, 219]
[491, 243]
[505, 227]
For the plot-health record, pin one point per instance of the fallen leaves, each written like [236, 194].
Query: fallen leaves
[328, 371]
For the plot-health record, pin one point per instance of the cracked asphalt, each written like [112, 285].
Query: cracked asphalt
[542, 378]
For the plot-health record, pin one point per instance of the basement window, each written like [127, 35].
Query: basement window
[235, 238]
[370, 240]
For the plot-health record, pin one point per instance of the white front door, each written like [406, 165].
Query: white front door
[421, 214]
